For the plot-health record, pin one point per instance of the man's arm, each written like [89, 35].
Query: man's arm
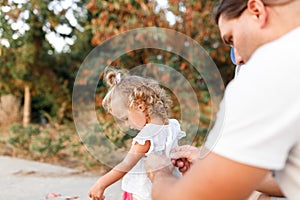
[209, 178]
[184, 156]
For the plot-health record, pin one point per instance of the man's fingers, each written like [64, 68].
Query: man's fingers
[179, 154]
[177, 163]
[180, 162]
[183, 169]
[156, 162]
[184, 166]
[186, 151]
[182, 148]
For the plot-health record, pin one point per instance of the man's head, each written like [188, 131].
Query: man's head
[249, 24]
[231, 9]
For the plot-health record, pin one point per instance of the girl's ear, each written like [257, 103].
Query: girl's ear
[141, 107]
[259, 11]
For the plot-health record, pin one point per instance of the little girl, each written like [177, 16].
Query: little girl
[143, 105]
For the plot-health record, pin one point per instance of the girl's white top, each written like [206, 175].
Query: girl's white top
[163, 138]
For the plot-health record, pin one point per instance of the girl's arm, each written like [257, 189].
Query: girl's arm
[135, 153]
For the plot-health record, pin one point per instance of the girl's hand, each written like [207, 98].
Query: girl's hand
[96, 192]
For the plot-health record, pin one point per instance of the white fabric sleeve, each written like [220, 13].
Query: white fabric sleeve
[139, 141]
[176, 129]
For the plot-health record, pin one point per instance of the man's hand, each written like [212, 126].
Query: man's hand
[184, 156]
[155, 164]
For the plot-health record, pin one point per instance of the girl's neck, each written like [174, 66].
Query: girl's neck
[156, 120]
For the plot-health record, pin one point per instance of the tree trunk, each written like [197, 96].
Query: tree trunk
[27, 106]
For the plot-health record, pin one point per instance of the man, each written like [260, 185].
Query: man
[259, 130]
[184, 156]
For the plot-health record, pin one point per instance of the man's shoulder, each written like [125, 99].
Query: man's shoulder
[285, 44]
[278, 56]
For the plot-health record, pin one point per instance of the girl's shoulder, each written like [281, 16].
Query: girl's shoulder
[174, 122]
[150, 131]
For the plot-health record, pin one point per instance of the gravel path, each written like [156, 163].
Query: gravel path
[29, 180]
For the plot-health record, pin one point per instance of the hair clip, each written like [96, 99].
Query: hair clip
[118, 78]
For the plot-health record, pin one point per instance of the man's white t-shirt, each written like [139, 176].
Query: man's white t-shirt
[259, 119]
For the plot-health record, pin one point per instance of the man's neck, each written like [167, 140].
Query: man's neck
[285, 18]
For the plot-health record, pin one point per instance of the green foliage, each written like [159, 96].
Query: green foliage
[21, 136]
[41, 143]
[30, 59]
[48, 143]
[109, 130]
[192, 18]
[46, 146]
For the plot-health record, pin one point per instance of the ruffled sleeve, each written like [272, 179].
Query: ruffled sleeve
[162, 138]
[174, 134]
[142, 142]
[176, 130]
[148, 133]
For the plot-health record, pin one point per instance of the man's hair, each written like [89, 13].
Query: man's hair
[234, 8]
[230, 9]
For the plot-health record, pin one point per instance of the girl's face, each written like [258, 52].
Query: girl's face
[136, 119]
[133, 118]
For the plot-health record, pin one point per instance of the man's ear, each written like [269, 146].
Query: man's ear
[259, 11]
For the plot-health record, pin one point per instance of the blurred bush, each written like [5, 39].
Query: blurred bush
[49, 143]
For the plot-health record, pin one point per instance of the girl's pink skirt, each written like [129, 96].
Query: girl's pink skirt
[127, 196]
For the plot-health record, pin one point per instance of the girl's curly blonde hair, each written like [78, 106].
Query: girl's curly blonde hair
[137, 92]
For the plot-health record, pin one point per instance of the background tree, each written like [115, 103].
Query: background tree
[29, 62]
[193, 18]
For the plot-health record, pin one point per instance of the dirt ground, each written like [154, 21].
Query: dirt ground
[29, 180]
